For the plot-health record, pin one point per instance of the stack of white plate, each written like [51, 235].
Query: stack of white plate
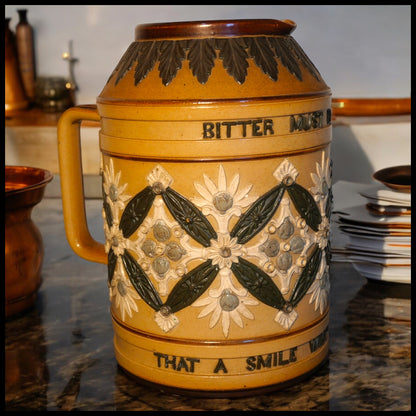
[379, 232]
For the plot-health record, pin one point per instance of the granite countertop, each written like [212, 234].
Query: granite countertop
[59, 355]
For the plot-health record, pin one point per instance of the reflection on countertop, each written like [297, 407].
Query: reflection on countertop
[59, 355]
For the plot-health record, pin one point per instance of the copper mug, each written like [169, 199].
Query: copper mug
[216, 181]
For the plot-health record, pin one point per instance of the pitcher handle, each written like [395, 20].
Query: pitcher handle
[72, 187]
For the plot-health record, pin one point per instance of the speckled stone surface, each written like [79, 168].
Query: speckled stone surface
[59, 355]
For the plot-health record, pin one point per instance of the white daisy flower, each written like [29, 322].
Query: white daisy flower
[321, 237]
[224, 251]
[114, 192]
[223, 197]
[320, 288]
[114, 239]
[226, 304]
[322, 180]
[123, 293]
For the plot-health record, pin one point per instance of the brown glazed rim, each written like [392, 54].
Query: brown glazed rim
[395, 177]
[20, 179]
[368, 107]
[214, 28]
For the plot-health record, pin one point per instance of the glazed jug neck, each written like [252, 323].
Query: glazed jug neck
[214, 28]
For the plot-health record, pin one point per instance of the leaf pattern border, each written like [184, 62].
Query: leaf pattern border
[265, 51]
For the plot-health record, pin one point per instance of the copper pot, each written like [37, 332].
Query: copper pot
[24, 188]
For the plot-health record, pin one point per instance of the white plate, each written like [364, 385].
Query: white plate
[356, 230]
[390, 210]
[360, 215]
[399, 243]
[382, 194]
[384, 249]
[381, 260]
[387, 274]
[369, 237]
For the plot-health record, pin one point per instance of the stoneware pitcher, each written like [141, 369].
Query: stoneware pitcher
[216, 182]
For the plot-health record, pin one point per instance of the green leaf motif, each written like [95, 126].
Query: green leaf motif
[112, 262]
[328, 253]
[306, 278]
[127, 61]
[190, 218]
[234, 57]
[258, 283]
[191, 286]
[297, 51]
[282, 51]
[172, 53]
[201, 58]
[108, 213]
[305, 204]
[260, 50]
[329, 202]
[258, 215]
[136, 211]
[107, 208]
[141, 282]
[234, 53]
[149, 54]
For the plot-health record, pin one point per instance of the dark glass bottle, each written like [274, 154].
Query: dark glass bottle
[15, 97]
[26, 53]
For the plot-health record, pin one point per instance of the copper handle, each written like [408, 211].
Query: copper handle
[370, 106]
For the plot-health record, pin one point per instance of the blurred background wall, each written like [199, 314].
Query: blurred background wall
[361, 51]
